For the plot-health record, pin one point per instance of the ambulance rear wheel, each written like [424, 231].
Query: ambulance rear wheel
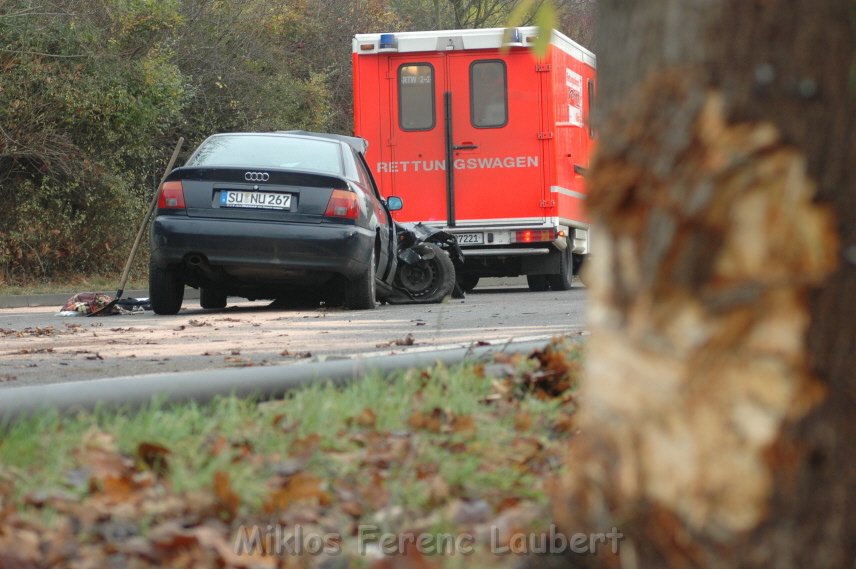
[579, 271]
[537, 283]
[564, 280]
[468, 282]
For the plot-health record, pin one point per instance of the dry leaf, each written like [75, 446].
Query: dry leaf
[352, 508]
[523, 421]
[366, 418]
[225, 494]
[410, 558]
[463, 424]
[301, 486]
[154, 456]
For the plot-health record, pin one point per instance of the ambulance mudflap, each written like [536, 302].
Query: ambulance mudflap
[486, 140]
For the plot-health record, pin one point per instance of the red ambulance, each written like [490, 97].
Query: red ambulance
[480, 136]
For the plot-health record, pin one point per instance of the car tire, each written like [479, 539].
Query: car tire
[537, 283]
[360, 292]
[564, 280]
[166, 290]
[212, 298]
[469, 282]
[430, 280]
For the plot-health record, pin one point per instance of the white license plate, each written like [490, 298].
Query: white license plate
[260, 200]
[470, 238]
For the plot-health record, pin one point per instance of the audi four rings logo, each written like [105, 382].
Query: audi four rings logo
[257, 176]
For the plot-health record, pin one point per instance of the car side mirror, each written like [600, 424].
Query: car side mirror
[394, 203]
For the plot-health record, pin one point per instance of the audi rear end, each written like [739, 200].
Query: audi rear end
[263, 216]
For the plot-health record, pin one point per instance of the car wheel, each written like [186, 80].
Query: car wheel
[360, 292]
[166, 290]
[469, 282]
[212, 298]
[565, 279]
[429, 280]
[537, 283]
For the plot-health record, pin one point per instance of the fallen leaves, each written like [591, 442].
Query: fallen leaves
[298, 355]
[28, 351]
[154, 456]
[37, 332]
[474, 464]
[299, 487]
[408, 340]
[523, 421]
[228, 499]
[548, 373]
[366, 418]
[235, 361]
[557, 371]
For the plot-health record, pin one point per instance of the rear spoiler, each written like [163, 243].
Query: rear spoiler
[355, 142]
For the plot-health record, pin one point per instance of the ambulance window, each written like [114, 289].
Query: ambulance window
[488, 94]
[416, 96]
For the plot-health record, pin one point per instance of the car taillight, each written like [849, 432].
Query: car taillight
[171, 196]
[534, 235]
[343, 204]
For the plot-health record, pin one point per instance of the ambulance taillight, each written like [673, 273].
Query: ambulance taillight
[534, 235]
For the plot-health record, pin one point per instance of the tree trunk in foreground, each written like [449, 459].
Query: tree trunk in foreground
[717, 423]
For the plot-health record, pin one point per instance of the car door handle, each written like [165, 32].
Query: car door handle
[465, 147]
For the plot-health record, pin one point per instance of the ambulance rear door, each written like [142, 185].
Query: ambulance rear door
[479, 112]
[416, 156]
[497, 148]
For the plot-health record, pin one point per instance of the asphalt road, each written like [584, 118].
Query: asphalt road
[39, 347]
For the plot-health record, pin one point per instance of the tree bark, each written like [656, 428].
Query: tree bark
[716, 425]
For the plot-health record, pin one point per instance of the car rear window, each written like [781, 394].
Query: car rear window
[270, 152]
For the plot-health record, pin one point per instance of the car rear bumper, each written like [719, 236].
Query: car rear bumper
[256, 247]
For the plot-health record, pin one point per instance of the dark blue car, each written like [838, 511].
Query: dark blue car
[270, 215]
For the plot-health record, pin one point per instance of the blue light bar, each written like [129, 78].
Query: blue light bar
[387, 41]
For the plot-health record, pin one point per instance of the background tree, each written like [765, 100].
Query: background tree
[716, 416]
[92, 96]
[576, 19]
[489, 13]
[83, 96]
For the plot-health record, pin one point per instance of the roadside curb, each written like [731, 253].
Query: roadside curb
[266, 382]
[58, 299]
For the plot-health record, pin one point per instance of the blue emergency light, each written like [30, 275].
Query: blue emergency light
[387, 41]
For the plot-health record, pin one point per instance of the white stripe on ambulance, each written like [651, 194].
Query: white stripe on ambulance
[460, 164]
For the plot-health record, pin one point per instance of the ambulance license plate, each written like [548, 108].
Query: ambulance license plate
[258, 200]
[470, 238]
